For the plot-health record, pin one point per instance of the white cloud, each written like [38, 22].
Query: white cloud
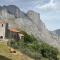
[11, 0]
[50, 4]
[53, 5]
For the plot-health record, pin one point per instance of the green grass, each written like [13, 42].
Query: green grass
[6, 55]
[4, 52]
[31, 47]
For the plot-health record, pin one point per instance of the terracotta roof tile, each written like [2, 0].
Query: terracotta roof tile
[14, 30]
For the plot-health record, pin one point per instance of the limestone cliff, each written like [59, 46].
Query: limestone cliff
[29, 22]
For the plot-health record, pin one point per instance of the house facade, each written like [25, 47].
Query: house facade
[15, 34]
[3, 29]
[11, 33]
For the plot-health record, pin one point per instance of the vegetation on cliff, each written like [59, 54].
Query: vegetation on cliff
[31, 47]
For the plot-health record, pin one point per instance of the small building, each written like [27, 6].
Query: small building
[3, 29]
[15, 34]
[12, 33]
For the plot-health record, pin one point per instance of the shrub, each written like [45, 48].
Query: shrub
[48, 51]
[31, 47]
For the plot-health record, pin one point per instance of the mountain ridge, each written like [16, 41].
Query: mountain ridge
[31, 23]
[57, 31]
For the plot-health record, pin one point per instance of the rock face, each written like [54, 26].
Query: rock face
[10, 11]
[29, 22]
[57, 32]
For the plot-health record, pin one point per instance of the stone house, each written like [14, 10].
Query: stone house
[15, 34]
[3, 29]
[11, 33]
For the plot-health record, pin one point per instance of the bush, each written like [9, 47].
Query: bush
[48, 51]
[31, 47]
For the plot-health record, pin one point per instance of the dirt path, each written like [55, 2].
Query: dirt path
[19, 56]
[4, 51]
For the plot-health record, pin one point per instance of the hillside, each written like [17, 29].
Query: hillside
[29, 22]
[6, 55]
[57, 32]
[31, 47]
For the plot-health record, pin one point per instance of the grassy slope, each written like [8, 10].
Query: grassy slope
[4, 51]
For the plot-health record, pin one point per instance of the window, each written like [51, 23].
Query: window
[2, 25]
[1, 37]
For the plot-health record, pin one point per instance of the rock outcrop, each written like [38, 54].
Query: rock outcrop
[29, 22]
[57, 32]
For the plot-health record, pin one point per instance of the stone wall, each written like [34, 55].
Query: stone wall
[2, 30]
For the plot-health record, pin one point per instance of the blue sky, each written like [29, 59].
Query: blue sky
[49, 10]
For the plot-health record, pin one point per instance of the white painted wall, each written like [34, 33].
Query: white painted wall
[2, 30]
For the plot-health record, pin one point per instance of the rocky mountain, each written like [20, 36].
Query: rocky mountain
[29, 22]
[10, 11]
[57, 32]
